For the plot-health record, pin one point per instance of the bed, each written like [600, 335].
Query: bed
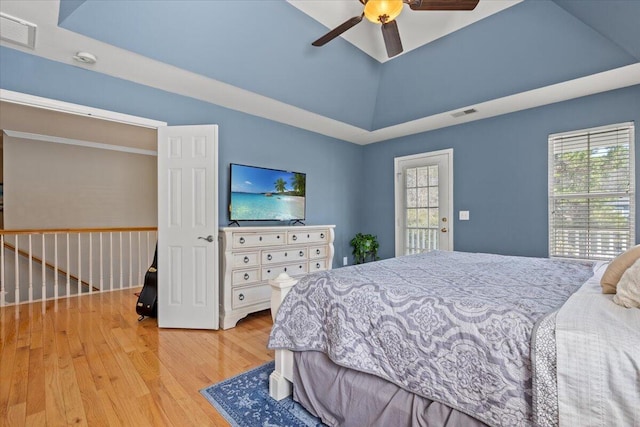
[455, 339]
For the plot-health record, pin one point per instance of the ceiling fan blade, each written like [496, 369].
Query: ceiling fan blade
[443, 4]
[391, 37]
[337, 31]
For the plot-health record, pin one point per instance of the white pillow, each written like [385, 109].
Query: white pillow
[616, 269]
[628, 289]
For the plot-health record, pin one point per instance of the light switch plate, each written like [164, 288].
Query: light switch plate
[464, 215]
[345, 261]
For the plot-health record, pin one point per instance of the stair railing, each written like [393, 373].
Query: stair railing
[58, 263]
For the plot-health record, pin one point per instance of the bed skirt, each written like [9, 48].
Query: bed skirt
[344, 397]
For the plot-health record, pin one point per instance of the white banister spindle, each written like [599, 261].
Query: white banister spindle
[68, 293]
[148, 257]
[139, 259]
[120, 259]
[101, 266]
[111, 260]
[130, 259]
[90, 263]
[30, 270]
[2, 287]
[55, 266]
[16, 258]
[79, 265]
[43, 295]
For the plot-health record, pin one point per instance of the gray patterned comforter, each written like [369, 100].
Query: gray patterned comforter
[453, 327]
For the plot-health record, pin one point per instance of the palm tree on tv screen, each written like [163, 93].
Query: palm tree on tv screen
[281, 185]
[299, 183]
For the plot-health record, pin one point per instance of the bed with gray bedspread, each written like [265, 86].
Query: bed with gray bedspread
[451, 327]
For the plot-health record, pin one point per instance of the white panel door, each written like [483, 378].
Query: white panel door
[424, 202]
[187, 227]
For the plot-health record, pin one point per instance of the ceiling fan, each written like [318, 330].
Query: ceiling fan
[386, 11]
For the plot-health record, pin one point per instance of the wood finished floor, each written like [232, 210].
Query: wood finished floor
[88, 361]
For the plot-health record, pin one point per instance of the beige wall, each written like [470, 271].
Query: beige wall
[51, 185]
[46, 122]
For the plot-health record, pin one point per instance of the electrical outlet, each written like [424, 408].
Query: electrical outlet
[345, 261]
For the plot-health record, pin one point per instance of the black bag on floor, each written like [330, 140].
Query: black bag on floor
[147, 305]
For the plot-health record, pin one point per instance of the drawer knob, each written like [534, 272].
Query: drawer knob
[322, 235]
[241, 297]
[317, 265]
[268, 271]
[260, 238]
[246, 259]
[269, 257]
[241, 240]
[308, 236]
[246, 276]
[301, 253]
[317, 251]
[285, 269]
[294, 238]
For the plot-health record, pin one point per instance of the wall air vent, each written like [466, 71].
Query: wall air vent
[18, 31]
[464, 112]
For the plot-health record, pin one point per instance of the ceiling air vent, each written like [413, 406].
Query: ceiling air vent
[464, 112]
[18, 31]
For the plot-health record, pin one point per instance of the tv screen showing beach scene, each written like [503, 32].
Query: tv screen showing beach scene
[261, 194]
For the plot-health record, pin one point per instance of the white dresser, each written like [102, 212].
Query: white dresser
[250, 256]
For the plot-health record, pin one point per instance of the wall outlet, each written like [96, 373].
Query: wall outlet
[464, 215]
[345, 261]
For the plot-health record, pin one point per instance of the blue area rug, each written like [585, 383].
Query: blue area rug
[244, 401]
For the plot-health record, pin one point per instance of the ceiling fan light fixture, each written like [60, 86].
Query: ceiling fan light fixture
[382, 11]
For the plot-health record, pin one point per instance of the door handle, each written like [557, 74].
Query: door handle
[443, 229]
[209, 238]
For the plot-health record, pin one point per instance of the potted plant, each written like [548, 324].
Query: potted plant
[365, 247]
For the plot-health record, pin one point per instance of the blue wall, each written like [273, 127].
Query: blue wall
[500, 164]
[458, 70]
[500, 172]
[332, 166]
[231, 41]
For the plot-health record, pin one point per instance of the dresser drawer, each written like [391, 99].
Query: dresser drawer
[284, 255]
[243, 277]
[291, 269]
[252, 240]
[308, 236]
[247, 259]
[250, 295]
[318, 252]
[317, 265]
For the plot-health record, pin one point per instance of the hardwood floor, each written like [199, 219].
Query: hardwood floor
[88, 361]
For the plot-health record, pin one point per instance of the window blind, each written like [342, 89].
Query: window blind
[592, 192]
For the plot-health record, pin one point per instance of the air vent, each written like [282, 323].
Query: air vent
[464, 112]
[18, 31]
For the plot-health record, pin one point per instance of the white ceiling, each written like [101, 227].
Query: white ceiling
[58, 44]
[416, 28]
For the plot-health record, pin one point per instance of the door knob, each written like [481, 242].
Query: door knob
[209, 238]
[443, 229]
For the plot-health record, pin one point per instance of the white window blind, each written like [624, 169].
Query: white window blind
[592, 192]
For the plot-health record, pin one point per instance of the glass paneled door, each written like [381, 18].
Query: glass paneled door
[423, 202]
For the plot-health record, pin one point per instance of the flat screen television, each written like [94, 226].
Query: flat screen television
[261, 194]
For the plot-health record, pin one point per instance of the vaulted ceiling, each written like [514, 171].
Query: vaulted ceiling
[256, 56]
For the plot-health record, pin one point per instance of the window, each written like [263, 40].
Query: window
[422, 213]
[592, 192]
